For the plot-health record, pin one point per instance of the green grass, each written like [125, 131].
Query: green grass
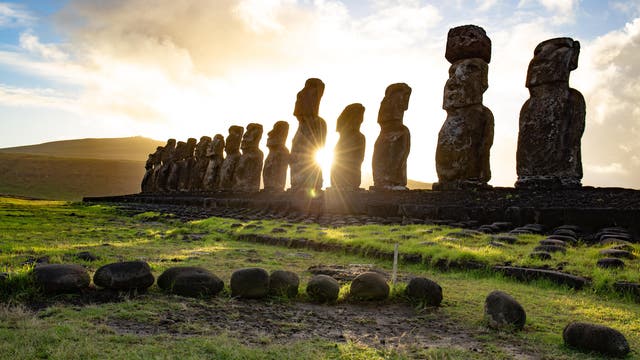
[65, 330]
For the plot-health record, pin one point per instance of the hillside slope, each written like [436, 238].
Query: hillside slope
[131, 148]
[67, 178]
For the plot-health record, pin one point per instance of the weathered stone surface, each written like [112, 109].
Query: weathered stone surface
[161, 173]
[306, 174]
[424, 290]
[215, 157]
[394, 142]
[554, 242]
[126, 275]
[610, 263]
[323, 288]
[151, 166]
[349, 151]
[250, 283]
[284, 283]
[186, 165]
[552, 120]
[621, 254]
[467, 42]
[591, 337]
[249, 169]
[190, 281]
[527, 274]
[61, 278]
[274, 173]
[501, 310]
[196, 180]
[369, 286]
[232, 149]
[177, 156]
[550, 248]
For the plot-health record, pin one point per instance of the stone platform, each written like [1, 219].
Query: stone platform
[589, 208]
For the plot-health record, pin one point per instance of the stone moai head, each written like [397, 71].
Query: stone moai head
[553, 60]
[350, 119]
[169, 149]
[234, 138]
[217, 145]
[394, 104]
[251, 138]
[191, 147]
[308, 99]
[278, 135]
[468, 42]
[468, 80]
[181, 151]
[203, 145]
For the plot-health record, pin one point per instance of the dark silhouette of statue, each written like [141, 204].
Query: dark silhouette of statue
[153, 162]
[394, 142]
[178, 155]
[161, 174]
[552, 121]
[200, 165]
[349, 151]
[274, 174]
[215, 157]
[306, 174]
[466, 137]
[232, 149]
[186, 165]
[249, 168]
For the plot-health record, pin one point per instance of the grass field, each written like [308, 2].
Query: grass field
[155, 325]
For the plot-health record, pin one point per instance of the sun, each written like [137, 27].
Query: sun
[324, 158]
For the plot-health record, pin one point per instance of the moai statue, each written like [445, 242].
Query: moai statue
[552, 120]
[215, 156]
[201, 163]
[232, 148]
[161, 173]
[178, 155]
[249, 169]
[153, 162]
[392, 147]
[306, 174]
[465, 139]
[274, 173]
[349, 151]
[187, 165]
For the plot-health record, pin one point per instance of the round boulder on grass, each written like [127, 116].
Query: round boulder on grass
[323, 288]
[610, 263]
[61, 278]
[284, 283]
[503, 311]
[424, 290]
[250, 283]
[591, 337]
[127, 275]
[190, 281]
[369, 286]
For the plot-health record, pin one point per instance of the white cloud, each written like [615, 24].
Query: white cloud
[14, 15]
[31, 43]
[485, 5]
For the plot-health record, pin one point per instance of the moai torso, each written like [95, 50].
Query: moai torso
[215, 156]
[274, 174]
[349, 151]
[249, 168]
[392, 147]
[178, 155]
[162, 172]
[232, 149]
[552, 121]
[153, 162]
[201, 163]
[187, 165]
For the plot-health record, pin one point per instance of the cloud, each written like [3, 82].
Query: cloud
[563, 10]
[31, 43]
[14, 15]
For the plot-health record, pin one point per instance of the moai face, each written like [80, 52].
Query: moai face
[203, 145]
[233, 139]
[218, 145]
[394, 104]
[468, 80]
[350, 119]
[180, 151]
[553, 60]
[467, 42]
[278, 135]
[251, 138]
[308, 99]
[190, 148]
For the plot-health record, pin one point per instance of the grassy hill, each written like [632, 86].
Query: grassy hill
[131, 148]
[67, 178]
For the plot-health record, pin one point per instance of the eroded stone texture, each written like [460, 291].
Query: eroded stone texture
[249, 169]
[552, 121]
[349, 151]
[215, 156]
[232, 149]
[468, 42]
[154, 161]
[306, 174]
[178, 155]
[186, 165]
[274, 173]
[161, 174]
[200, 165]
[394, 142]
[465, 139]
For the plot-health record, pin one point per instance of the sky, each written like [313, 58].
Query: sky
[186, 68]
